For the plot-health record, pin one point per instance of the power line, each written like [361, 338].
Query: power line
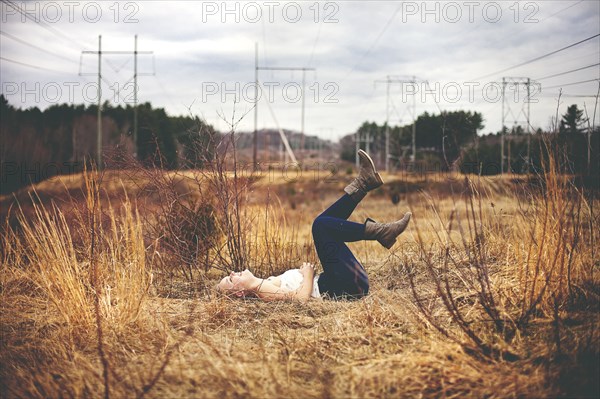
[43, 24]
[170, 96]
[372, 46]
[563, 95]
[312, 54]
[256, 85]
[516, 81]
[564, 73]
[284, 139]
[101, 78]
[264, 35]
[54, 31]
[561, 11]
[571, 84]
[366, 100]
[539, 58]
[50, 29]
[29, 65]
[118, 91]
[467, 32]
[34, 46]
[389, 81]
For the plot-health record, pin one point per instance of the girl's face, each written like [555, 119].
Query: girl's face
[236, 281]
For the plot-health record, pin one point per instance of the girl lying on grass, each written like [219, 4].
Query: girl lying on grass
[343, 276]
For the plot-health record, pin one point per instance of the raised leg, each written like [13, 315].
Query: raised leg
[342, 208]
[368, 179]
[343, 275]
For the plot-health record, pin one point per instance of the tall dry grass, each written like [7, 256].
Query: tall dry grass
[500, 274]
[76, 291]
[510, 283]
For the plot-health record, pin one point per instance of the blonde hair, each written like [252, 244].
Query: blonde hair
[233, 293]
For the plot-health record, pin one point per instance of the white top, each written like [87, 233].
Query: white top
[292, 280]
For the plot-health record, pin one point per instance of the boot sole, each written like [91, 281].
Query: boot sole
[387, 244]
[379, 179]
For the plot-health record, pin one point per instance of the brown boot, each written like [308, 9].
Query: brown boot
[386, 233]
[368, 179]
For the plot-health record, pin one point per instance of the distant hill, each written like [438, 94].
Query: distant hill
[270, 138]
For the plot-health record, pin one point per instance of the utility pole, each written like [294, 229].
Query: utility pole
[135, 93]
[510, 135]
[414, 126]
[387, 129]
[255, 136]
[516, 82]
[135, 53]
[357, 139]
[320, 139]
[99, 114]
[502, 130]
[302, 123]
[528, 126]
[135, 100]
[99, 131]
[589, 131]
[389, 81]
[259, 68]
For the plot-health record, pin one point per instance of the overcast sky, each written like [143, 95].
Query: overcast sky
[203, 58]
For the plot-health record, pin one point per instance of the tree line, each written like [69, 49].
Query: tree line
[36, 145]
[450, 141]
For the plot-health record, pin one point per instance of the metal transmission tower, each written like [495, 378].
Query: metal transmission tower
[259, 68]
[135, 92]
[135, 53]
[389, 81]
[367, 140]
[589, 131]
[516, 82]
[99, 116]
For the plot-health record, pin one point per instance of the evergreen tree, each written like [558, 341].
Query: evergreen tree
[572, 122]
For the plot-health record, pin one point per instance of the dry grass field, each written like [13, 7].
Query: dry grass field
[105, 289]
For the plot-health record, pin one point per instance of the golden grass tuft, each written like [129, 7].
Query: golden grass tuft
[60, 287]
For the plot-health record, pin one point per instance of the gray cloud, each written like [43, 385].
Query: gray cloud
[197, 45]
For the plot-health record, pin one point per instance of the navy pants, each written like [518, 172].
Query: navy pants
[343, 276]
